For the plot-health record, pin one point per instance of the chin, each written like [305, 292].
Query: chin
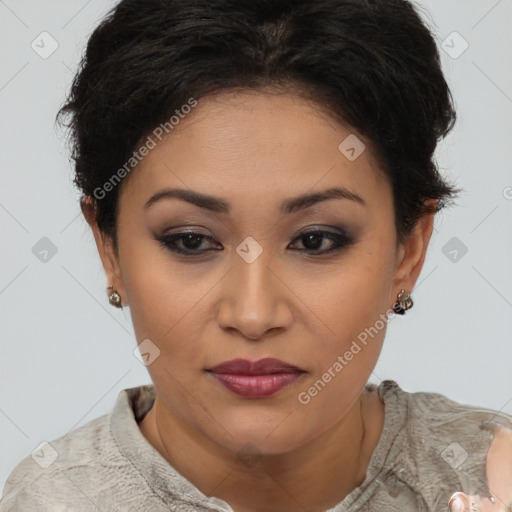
[271, 436]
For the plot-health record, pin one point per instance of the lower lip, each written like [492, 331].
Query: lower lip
[256, 386]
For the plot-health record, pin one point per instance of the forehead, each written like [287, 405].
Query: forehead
[259, 145]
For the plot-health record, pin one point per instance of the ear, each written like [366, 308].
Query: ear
[411, 253]
[105, 247]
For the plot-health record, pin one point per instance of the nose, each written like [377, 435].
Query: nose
[255, 299]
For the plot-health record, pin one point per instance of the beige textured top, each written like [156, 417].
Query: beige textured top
[429, 448]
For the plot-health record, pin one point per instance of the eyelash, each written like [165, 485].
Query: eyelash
[341, 240]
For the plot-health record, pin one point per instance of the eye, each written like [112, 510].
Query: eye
[314, 240]
[191, 241]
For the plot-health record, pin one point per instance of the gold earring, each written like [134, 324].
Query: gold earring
[114, 298]
[403, 303]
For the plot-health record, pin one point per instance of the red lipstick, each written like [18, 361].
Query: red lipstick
[257, 379]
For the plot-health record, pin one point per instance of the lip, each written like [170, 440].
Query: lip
[258, 379]
[264, 366]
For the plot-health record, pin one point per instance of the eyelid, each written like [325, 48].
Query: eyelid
[324, 229]
[335, 231]
[183, 230]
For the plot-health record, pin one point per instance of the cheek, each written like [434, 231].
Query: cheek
[355, 294]
[161, 297]
[353, 306]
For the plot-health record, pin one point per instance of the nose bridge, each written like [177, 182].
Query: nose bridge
[253, 275]
[251, 303]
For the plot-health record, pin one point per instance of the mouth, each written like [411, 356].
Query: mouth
[266, 366]
[258, 379]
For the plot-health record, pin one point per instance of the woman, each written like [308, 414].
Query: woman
[260, 182]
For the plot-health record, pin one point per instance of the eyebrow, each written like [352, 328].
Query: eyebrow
[218, 205]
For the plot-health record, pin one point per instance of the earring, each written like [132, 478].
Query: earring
[403, 303]
[114, 298]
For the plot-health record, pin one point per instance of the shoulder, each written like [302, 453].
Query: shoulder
[44, 474]
[438, 415]
[435, 411]
[64, 473]
[478, 446]
[445, 446]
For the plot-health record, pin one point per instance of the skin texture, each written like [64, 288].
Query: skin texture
[255, 150]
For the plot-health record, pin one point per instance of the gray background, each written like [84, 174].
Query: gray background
[65, 353]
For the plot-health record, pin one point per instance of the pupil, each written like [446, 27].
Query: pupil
[195, 239]
[313, 237]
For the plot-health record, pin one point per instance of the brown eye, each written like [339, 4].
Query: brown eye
[188, 243]
[314, 240]
[192, 241]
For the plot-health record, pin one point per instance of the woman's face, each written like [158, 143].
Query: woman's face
[255, 286]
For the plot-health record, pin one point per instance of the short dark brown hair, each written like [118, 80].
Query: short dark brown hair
[372, 63]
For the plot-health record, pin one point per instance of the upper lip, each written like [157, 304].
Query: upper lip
[264, 366]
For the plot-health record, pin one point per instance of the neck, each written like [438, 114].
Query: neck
[333, 464]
